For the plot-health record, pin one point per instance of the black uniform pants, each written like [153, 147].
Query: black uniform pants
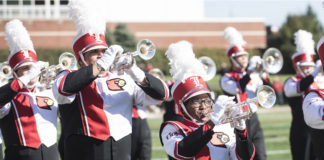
[141, 140]
[318, 142]
[27, 153]
[80, 147]
[300, 142]
[256, 134]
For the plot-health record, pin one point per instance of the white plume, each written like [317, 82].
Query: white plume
[183, 62]
[17, 37]
[88, 16]
[233, 37]
[304, 42]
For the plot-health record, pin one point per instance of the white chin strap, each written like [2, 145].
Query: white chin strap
[234, 62]
[299, 70]
[186, 112]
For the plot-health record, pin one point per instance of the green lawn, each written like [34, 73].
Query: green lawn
[275, 126]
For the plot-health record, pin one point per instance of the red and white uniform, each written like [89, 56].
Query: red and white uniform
[175, 131]
[313, 108]
[230, 84]
[291, 87]
[33, 116]
[105, 104]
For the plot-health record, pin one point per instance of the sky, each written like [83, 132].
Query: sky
[274, 12]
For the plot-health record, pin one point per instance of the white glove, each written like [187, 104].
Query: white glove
[136, 73]
[318, 68]
[32, 73]
[123, 62]
[241, 125]
[254, 62]
[219, 108]
[109, 56]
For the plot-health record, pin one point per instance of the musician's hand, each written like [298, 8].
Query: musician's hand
[241, 125]
[219, 108]
[31, 77]
[137, 74]
[254, 62]
[123, 62]
[108, 57]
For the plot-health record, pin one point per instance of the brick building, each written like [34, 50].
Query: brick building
[49, 26]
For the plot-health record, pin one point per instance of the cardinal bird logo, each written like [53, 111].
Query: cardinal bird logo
[116, 84]
[44, 102]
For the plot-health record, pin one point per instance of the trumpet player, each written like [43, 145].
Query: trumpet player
[95, 104]
[242, 83]
[313, 111]
[294, 89]
[200, 133]
[28, 116]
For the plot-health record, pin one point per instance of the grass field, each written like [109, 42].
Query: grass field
[275, 123]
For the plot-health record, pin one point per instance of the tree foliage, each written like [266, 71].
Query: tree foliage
[124, 37]
[284, 39]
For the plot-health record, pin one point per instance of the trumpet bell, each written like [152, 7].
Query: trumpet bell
[209, 67]
[5, 71]
[146, 49]
[67, 61]
[266, 96]
[272, 60]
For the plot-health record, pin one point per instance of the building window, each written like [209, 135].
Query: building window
[39, 2]
[12, 2]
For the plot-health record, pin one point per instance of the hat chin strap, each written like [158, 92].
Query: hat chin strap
[82, 58]
[186, 112]
[299, 69]
[234, 62]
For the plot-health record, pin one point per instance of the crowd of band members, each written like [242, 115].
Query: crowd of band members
[102, 111]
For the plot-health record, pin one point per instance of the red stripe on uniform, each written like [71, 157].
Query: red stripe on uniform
[95, 115]
[135, 112]
[60, 88]
[27, 120]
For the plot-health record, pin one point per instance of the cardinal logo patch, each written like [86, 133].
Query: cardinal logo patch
[44, 102]
[219, 138]
[116, 84]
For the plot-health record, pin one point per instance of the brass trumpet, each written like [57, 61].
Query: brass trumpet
[145, 49]
[266, 97]
[5, 71]
[272, 61]
[48, 74]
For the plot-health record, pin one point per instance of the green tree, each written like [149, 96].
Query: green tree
[124, 37]
[284, 39]
[110, 38]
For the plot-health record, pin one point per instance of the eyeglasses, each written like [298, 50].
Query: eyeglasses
[196, 103]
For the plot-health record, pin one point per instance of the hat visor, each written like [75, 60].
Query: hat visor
[23, 64]
[196, 94]
[307, 64]
[239, 54]
[95, 47]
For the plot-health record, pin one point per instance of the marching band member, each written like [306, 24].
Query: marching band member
[313, 109]
[95, 104]
[28, 116]
[199, 135]
[294, 87]
[243, 85]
